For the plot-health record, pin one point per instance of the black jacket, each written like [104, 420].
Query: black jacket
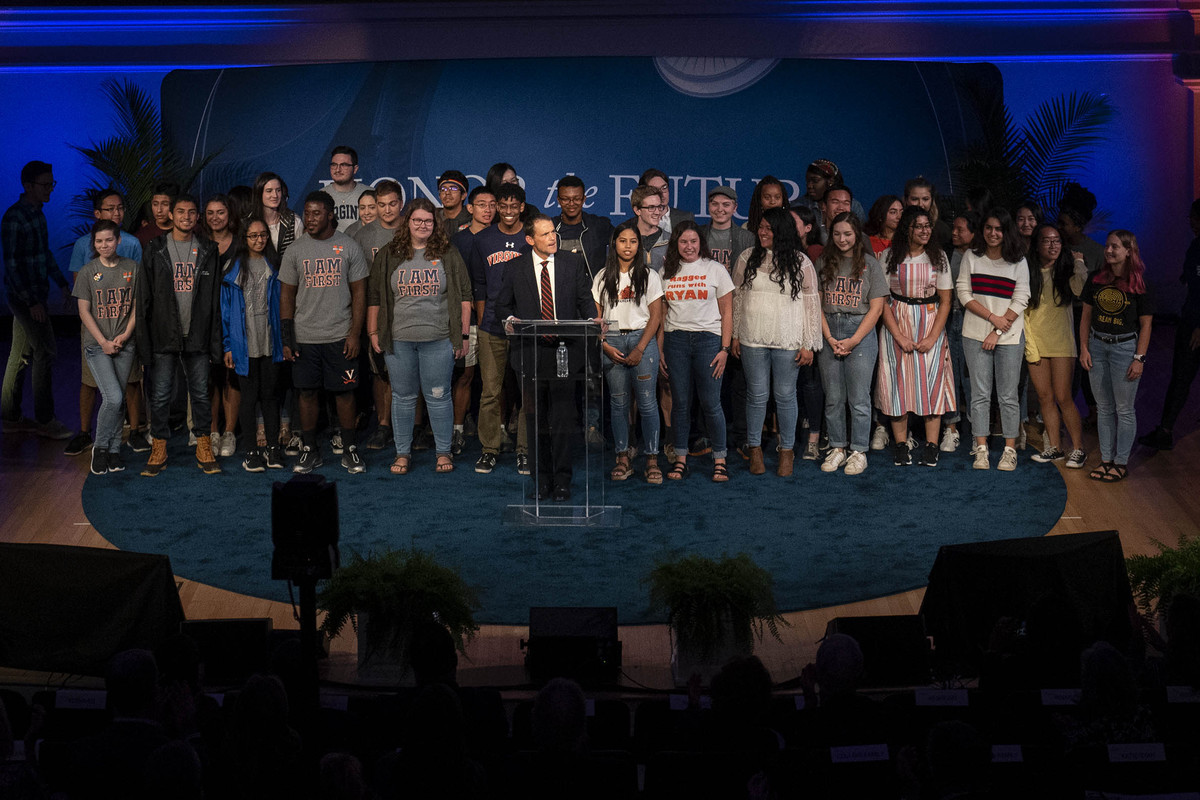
[158, 325]
[597, 232]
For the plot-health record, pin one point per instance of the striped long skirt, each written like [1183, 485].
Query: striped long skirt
[921, 383]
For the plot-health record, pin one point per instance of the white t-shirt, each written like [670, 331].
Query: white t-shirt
[692, 294]
[628, 315]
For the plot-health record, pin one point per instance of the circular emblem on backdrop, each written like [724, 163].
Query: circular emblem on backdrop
[1111, 300]
[712, 77]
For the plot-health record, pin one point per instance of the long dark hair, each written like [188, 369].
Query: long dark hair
[1060, 277]
[495, 174]
[900, 242]
[877, 216]
[787, 254]
[256, 209]
[756, 209]
[241, 250]
[1012, 249]
[672, 260]
[438, 242]
[234, 226]
[639, 273]
[831, 257]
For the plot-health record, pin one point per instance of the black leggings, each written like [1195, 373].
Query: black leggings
[259, 387]
[1184, 366]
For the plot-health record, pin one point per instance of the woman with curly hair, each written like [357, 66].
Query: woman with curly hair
[1114, 335]
[769, 193]
[1056, 278]
[853, 288]
[697, 342]
[882, 220]
[628, 292]
[914, 374]
[419, 318]
[776, 329]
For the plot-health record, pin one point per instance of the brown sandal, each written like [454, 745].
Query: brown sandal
[654, 474]
[622, 470]
[445, 463]
[400, 465]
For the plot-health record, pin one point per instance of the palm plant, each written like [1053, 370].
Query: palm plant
[1034, 161]
[136, 157]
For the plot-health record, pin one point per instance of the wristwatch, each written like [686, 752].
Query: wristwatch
[1139, 358]
[727, 349]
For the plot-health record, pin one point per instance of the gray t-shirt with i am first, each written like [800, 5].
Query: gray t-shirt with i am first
[322, 271]
[183, 271]
[419, 289]
[110, 291]
[372, 238]
[849, 295]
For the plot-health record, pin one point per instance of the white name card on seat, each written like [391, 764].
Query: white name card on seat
[941, 697]
[1007, 754]
[335, 702]
[1060, 697]
[858, 753]
[1142, 752]
[1182, 694]
[80, 699]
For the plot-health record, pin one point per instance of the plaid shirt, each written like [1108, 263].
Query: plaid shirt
[28, 261]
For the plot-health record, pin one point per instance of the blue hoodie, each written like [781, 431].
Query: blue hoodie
[233, 318]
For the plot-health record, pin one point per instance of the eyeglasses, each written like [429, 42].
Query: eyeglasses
[45, 185]
[449, 188]
[421, 223]
[112, 209]
[657, 209]
[1052, 242]
[262, 235]
[924, 227]
[336, 165]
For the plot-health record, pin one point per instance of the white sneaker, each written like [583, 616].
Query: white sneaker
[1008, 460]
[856, 464]
[214, 439]
[836, 457]
[980, 452]
[950, 441]
[879, 438]
[191, 439]
[228, 444]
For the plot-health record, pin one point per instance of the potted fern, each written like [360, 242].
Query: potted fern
[383, 596]
[716, 609]
[1159, 578]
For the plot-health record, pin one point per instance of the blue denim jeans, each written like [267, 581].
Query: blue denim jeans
[642, 380]
[688, 355]
[1116, 419]
[196, 368]
[848, 383]
[775, 368]
[1000, 366]
[111, 374]
[958, 364]
[424, 367]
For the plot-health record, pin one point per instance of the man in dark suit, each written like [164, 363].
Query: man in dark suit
[546, 284]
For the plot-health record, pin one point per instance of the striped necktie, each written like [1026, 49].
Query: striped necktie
[547, 296]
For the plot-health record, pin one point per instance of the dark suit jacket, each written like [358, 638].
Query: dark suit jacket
[520, 296]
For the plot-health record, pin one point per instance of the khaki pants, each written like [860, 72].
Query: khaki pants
[493, 360]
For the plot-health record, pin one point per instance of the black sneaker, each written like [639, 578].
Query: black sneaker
[139, 440]
[79, 443]
[380, 438]
[352, 461]
[274, 457]
[294, 445]
[486, 463]
[1159, 439]
[901, 455]
[929, 454]
[458, 440]
[310, 459]
[522, 463]
[115, 464]
[254, 462]
[99, 461]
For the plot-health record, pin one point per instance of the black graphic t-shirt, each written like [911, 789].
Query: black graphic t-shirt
[1115, 311]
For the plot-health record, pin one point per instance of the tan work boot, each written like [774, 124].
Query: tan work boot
[786, 459]
[158, 458]
[757, 467]
[204, 456]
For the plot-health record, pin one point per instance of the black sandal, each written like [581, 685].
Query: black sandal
[1101, 472]
[678, 471]
[1116, 472]
[720, 473]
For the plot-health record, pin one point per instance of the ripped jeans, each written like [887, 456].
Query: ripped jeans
[643, 380]
[424, 367]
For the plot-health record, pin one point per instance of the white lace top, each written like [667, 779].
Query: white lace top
[764, 316]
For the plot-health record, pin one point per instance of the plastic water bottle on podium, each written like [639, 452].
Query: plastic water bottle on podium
[561, 359]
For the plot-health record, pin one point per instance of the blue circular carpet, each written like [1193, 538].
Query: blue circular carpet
[826, 538]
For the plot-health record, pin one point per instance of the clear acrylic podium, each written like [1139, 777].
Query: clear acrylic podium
[586, 507]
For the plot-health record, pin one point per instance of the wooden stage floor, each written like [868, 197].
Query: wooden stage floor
[40, 496]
